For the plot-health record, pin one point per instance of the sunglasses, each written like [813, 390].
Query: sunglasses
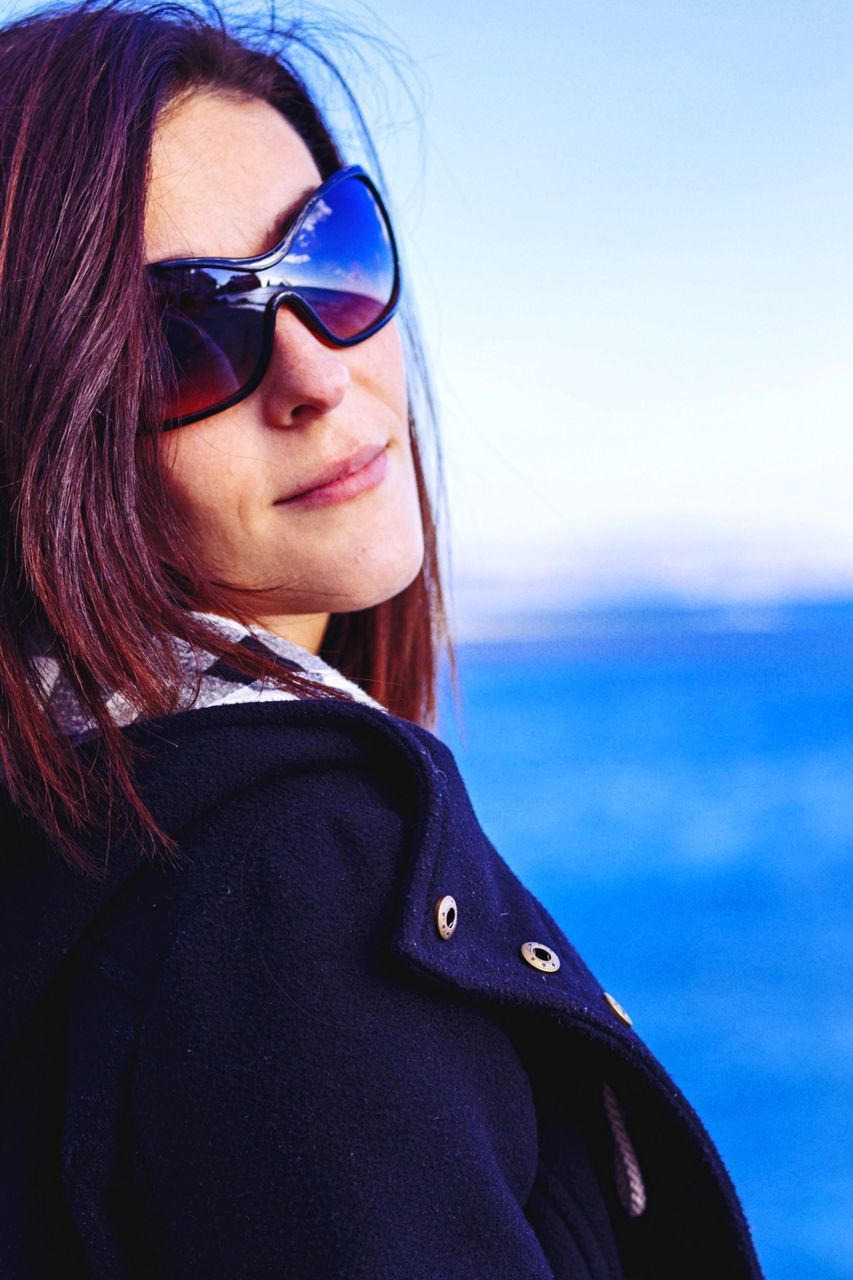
[337, 268]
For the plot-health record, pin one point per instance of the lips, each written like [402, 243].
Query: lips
[337, 470]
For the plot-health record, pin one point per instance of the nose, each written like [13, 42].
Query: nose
[306, 377]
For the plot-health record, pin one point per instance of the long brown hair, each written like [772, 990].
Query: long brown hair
[84, 511]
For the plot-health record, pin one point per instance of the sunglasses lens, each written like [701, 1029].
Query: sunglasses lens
[213, 343]
[342, 261]
[342, 265]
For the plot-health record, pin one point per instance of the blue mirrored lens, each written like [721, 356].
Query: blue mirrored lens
[341, 261]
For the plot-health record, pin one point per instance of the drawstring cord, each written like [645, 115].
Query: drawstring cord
[629, 1179]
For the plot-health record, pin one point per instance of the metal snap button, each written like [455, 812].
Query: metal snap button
[617, 1008]
[540, 956]
[446, 915]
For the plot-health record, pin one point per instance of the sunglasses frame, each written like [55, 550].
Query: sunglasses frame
[292, 297]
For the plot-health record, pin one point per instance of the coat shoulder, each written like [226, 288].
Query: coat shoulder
[323, 806]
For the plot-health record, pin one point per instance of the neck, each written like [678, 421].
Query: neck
[305, 629]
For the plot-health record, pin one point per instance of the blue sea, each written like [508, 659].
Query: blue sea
[676, 785]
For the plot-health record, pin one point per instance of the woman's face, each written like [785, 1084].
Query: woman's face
[223, 170]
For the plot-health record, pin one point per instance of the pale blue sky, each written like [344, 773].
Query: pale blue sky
[629, 225]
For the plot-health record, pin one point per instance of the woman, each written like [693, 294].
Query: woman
[274, 1005]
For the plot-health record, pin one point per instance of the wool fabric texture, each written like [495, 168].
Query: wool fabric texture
[269, 1062]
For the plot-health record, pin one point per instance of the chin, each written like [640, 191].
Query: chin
[376, 583]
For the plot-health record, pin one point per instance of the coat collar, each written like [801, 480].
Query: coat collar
[450, 855]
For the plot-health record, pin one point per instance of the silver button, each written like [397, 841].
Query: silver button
[446, 915]
[617, 1008]
[540, 956]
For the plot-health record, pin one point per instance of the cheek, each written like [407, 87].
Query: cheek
[187, 484]
[203, 483]
[383, 366]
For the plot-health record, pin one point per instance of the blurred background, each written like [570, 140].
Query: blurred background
[629, 228]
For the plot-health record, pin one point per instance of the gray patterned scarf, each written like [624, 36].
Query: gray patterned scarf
[220, 685]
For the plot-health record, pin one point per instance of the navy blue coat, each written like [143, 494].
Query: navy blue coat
[269, 1062]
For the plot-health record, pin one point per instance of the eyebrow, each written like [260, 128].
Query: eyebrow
[273, 235]
[282, 222]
